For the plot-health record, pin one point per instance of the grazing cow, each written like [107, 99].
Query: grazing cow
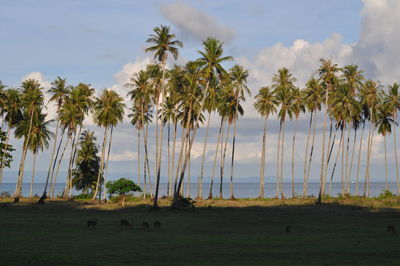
[145, 225]
[125, 223]
[157, 225]
[91, 223]
[391, 228]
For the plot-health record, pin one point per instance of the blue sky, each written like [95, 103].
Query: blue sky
[102, 43]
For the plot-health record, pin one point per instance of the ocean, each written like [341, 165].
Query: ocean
[241, 190]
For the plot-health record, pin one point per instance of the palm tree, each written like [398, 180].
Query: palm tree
[393, 102]
[239, 77]
[313, 97]
[265, 104]
[384, 124]
[283, 84]
[297, 108]
[108, 112]
[32, 102]
[12, 113]
[210, 62]
[370, 97]
[58, 92]
[329, 81]
[162, 43]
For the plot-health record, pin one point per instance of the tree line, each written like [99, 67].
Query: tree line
[184, 97]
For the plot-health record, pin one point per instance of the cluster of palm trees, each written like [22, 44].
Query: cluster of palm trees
[349, 102]
[182, 98]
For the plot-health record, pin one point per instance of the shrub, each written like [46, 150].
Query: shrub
[386, 194]
[5, 194]
[122, 187]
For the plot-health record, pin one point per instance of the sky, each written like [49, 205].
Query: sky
[102, 43]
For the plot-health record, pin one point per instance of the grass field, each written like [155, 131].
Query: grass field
[241, 232]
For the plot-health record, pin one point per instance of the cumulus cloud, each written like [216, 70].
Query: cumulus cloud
[194, 23]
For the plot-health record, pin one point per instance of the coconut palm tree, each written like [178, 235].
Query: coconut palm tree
[12, 113]
[58, 91]
[211, 64]
[108, 112]
[283, 84]
[162, 43]
[370, 97]
[313, 98]
[384, 124]
[265, 105]
[393, 102]
[32, 101]
[329, 81]
[297, 107]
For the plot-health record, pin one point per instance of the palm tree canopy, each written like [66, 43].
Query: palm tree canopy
[313, 95]
[108, 109]
[266, 102]
[384, 119]
[370, 97]
[239, 77]
[392, 99]
[162, 42]
[12, 107]
[58, 91]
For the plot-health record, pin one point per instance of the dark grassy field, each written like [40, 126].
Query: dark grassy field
[241, 233]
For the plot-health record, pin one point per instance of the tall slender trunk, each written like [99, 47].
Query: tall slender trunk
[262, 163]
[395, 154]
[347, 188]
[33, 174]
[311, 151]
[328, 153]
[181, 151]
[342, 168]
[18, 186]
[329, 158]
[232, 196]
[58, 166]
[200, 187]
[138, 148]
[293, 146]
[278, 160]
[169, 161]
[321, 173]
[210, 195]
[70, 164]
[146, 153]
[101, 170]
[336, 159]
[6, 145]
[305, 188]
[188, 183]
[282, 151]
[73, 160]
[223, 161]
[108, 159]
[359, 158]
[352, 154]
[386, 167]
[55, 163]
[173, 159]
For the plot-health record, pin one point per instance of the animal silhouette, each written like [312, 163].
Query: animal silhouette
[145, 225]
[125, 223]
[91, 223]
[157, 225]
[391, 228]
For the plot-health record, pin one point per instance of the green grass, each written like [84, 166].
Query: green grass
[242, 232]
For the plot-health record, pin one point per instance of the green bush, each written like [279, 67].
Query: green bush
[122, 187]
[83, 196]
[386, 194]
[5, 194]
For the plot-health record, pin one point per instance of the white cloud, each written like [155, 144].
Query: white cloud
[193, 23]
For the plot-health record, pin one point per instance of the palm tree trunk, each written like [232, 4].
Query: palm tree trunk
[200, 187]
[386, 167]
[293, 146]
[33, 174]
[73, 160]
[108, 159]
[210, 195]
[18, 186]
[173, 158]
[233, 159]
[395, 154]
[138, 147]
[146, 153]
[52, 159]
[328, 152]
[359, 158]
[169, 161]
[262, 163]
[101, 170]
[278, 160]
[321, 173]
[342, 168]
[70, 164]
[6, 145]
[223, 161]
[188, 183]
[311, 151]
[336, 159]
[282, 151]
[58, 167]
[181, 151]
[347, 161]
[305, 183]
[352, 154]
[55, 162]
